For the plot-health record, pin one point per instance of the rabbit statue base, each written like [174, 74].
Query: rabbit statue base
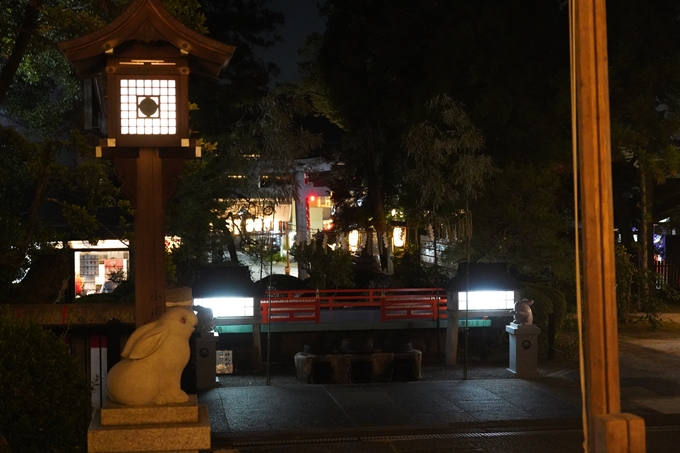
[146, 410]
[523, 350]
[181, 427]
[153, 360]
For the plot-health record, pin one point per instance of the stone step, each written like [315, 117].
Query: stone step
[158, 437]
[113, 414]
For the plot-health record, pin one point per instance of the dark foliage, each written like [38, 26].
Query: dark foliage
[44, 397]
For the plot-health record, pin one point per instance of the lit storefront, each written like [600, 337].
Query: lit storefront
[97, 266]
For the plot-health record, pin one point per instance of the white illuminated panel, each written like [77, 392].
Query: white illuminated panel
[148, 107]
[487, 300]
[398, 236]
[227, 307]
[103, 244]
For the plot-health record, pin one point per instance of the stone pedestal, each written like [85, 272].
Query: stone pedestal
[451, 350]
[358, 368]
[205, 350]
[523, 350]
[179, 428]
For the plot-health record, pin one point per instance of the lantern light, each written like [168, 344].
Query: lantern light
[398, 236]
[147, 56]
[485, 289]
[228, 291]
[486, 300]
[353, 240]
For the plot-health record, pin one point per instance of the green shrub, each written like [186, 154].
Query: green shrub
[413, 273]
[327, 268]
[625, 275]
[44, 396]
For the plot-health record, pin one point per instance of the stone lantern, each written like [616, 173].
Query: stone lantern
[479, 290]
[146, 56]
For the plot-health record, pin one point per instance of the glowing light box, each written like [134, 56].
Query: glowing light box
[486, 288]
[228, 291]
[228, 307]
[486, 300]
[148, 107]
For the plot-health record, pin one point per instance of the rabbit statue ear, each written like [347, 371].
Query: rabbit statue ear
[148, 343]
[135, 337]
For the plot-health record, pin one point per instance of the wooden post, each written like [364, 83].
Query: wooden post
[149, 238]
[608, 429]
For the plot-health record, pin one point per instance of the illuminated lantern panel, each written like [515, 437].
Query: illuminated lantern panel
[353, 240]
[227, 307]
[398, 236]
[148, 107]
[487, 300]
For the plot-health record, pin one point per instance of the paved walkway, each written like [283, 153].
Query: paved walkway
[241, 416]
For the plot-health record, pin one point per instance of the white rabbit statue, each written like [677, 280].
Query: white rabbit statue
[522, 312]
[153, 360]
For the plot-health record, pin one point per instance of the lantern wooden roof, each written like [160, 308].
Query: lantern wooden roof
[146, 21]
[482, 277]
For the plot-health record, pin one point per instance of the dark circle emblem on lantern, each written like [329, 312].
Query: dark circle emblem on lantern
[148, 106]
[204, 352]
[526, 344]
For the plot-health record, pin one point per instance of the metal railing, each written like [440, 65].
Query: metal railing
[670, 273]
[394, 304]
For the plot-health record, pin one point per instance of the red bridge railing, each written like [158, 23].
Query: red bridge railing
[394, 304]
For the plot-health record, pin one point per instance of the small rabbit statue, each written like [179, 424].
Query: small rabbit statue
[153, 360]
[522, 312]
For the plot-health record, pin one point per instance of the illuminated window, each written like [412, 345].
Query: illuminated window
[148, 107]
[487, 300]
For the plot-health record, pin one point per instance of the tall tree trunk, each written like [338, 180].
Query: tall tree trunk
[231, 246]
[28, 27]
[646, 233]
[376, 203]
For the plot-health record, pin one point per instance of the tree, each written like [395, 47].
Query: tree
[362, 75]
[328, 268]
[36, 85]
[521, 219]
[54, 189]
[372, 75]
[248, 25]
[645, 97]
[445, 168]
[48, 200]
[227, 183]
[60, 193]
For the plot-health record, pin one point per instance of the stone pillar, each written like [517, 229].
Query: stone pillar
[301, 217]
[523, 350]
[451, 328]
[257, 345]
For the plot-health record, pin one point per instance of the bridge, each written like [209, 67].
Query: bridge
[355, 309]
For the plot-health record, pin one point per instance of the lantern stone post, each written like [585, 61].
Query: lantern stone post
[146, 56]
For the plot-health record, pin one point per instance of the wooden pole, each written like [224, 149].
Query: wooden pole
[149, 243]
[608, 429]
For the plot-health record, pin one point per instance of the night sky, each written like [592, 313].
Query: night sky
[302, 19]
